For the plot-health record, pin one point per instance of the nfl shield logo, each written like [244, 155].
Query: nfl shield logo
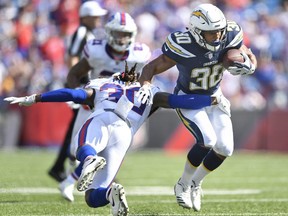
[209, 55]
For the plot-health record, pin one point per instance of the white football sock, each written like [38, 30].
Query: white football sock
[189, 170]
[199, 175]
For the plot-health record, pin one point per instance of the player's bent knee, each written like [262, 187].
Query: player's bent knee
[210, 142]
[225, 152]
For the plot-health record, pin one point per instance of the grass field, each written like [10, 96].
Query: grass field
[246, 184]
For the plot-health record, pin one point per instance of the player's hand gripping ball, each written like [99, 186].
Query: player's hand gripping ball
[237, 62]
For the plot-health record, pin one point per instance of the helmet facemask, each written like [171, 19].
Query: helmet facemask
[119, 40]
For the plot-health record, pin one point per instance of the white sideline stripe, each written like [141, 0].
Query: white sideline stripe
[169, 191]
[136, 191]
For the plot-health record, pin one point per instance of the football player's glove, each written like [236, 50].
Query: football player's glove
[247, 67]
[22, 101]
[145, 95]
[222, 102]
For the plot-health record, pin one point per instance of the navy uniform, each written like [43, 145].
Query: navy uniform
[200, 70]
[197, 53]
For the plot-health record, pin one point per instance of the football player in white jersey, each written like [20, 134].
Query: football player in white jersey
[102, 58]
[105, 137]
[197, 53]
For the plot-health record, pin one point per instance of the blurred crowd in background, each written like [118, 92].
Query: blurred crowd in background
[34, 36]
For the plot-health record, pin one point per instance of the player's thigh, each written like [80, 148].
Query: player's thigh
[224, 130]
[198, 123]
[114, 153]
[94, 132]
[81, 117]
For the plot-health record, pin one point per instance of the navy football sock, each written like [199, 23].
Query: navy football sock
[97, 198]
[78, 169]
[85, 151]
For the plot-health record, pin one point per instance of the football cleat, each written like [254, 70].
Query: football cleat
[66, 188]
[117, 199]
[183, 194]
[196, 195]
[90, 168]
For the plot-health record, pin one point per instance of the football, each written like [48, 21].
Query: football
[231, 56]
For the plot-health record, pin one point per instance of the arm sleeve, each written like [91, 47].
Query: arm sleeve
[64, 95]
[191, 101]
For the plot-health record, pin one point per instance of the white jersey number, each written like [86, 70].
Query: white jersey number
[206, 77]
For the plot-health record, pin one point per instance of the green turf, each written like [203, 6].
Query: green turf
[23, 174]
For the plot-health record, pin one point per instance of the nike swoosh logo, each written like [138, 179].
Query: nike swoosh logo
[94, 159]
[165, 48]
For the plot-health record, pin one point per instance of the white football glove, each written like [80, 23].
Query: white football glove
[22, 101]
[223, 103]
[247, 67]
[145, 95]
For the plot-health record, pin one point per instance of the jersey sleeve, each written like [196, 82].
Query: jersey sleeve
[234, 35]
[174, 46]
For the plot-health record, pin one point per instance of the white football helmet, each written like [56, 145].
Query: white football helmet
[116, 27]
[207, 17]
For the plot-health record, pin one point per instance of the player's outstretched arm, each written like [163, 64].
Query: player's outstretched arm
[83, 96]
[188, 101]
[156, 66]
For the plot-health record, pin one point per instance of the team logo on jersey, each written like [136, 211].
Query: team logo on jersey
[199, 14]
[209, 55]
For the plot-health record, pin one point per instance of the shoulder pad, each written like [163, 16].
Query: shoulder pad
[234, 35]
[177, 44]
[140, 51]
[90, 49]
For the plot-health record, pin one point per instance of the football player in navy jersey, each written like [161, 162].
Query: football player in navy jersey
[197, 54]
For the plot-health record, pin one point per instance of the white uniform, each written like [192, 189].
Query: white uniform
[110, 128]
[103, 64]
